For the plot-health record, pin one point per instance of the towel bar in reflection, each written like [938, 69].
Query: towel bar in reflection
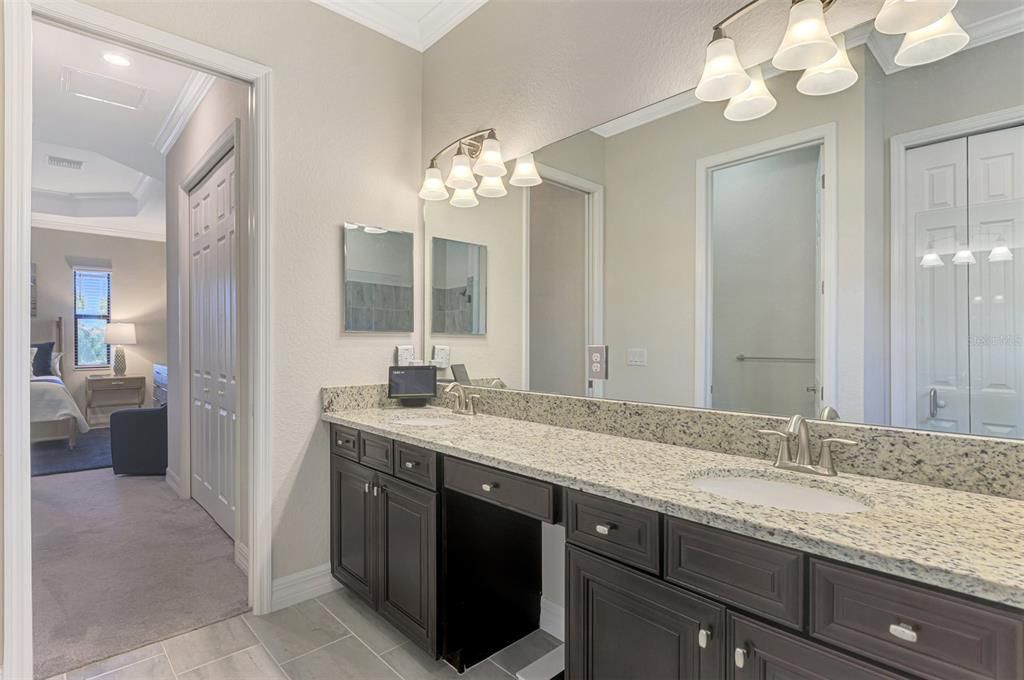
[784, 360]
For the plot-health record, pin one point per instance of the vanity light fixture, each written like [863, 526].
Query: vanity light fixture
[835, 75]
[433, 188]
[931, 43]
[490, 163]
[461, 175]
[464, 198]
[492, 187]
[807, 42]
[525, 174]
[478, 153]
[374, 230]
[964, 256]
[754, 102]
[904, 16]
[931, 260]
[1001, 253]
[723, 76]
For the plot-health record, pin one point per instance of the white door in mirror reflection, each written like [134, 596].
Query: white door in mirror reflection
[964, 205]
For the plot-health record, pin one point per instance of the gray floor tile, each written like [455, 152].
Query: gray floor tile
[295, 630]
[249, 664]
[155, 668]
[522, 653]
[412, 663]
[378, 634]
[62, 676]
[347, 659]
[486, 670]
[206, 644]
[115, 662]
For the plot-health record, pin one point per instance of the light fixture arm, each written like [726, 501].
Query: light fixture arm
[470, 144]
[719, 28]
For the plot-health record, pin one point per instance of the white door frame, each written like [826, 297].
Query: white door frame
[17, 534]
[825, 135]
[593, 267]
[902, 351]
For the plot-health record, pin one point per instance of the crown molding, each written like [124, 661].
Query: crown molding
[40, 221]
[191, 95]
[419, 35]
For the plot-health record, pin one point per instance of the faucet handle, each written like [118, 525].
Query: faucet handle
[825, 458]
[783, 455]
[471, 403]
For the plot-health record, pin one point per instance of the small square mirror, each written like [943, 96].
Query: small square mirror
[378, 283]
[459, 290]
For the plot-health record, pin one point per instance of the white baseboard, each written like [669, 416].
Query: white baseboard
[552, 618]
[302, 586]
[242, 557]
[174, 481]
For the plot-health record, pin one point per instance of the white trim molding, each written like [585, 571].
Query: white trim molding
[302, 586]
[192, 93]
[242, 557]
[419, 35]
[40, 221]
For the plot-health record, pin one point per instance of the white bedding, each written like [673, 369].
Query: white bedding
[51, 400]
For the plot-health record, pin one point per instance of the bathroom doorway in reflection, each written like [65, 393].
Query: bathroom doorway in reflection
[761, 283]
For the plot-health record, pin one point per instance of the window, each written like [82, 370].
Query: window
[92, 312]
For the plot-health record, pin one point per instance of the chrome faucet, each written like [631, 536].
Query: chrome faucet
[464, 405]
[796, 429]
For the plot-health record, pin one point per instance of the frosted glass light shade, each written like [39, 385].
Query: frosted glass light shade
[492, 187]
[461, 175]
[464, 198]
[119, 334]
[1000, 254]
[964, 256]
[525, 173]
[433, 186]
[807, 42]
[489, 163]
[932, 260]
[723, 76]
[753, 102]
[904, 16]
[835, 75]
[931, 43]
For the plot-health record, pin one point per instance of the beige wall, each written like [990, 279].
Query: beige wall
[137, 294]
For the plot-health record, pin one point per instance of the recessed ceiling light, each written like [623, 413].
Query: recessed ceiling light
[116, 59]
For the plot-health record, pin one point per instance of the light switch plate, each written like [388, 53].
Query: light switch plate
[636, 356]
[597, 362]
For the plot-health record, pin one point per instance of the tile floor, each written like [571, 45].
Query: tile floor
[332, 637]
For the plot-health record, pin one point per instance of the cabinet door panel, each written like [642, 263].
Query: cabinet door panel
[352, 540]
[623, 625]
[407, 539]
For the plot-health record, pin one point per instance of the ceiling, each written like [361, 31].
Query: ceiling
[98, 166]
[416, 23]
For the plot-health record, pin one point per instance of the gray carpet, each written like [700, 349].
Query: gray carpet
[92, 451]
[120, 562]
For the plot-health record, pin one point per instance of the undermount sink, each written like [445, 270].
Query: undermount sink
[782, 495]
[426, 421]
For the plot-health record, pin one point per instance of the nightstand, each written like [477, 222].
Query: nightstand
[103, 391]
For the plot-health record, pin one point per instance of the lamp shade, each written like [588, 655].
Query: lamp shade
[931, 43]
[964, 256]
[931, 260]
[1000, 254]
[433, 188]
[835, 75]
[464, 198]
[119, 334]
[753, 102]
[904, 16]
[723, 76]
[492, 187]
[807, 42]
[461, 174]
[525, 173]
[489, 163]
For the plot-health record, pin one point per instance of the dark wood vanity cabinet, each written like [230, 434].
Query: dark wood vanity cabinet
[352, 537]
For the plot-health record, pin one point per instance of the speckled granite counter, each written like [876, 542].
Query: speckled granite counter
[967, 543]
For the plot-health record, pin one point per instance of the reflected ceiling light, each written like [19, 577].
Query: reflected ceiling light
[835, 75]
[1000, 254]
[116, 59]
[489, 163]
[753, 102]
[433, 188]
[353, 225]
[931, 43]
[525, 173]
[464, 198]
[723, 76]
[461, 174]
[492, 187]
[904, 16]
[375, 230]
[931, 260]
[807, 42]
[964, 256]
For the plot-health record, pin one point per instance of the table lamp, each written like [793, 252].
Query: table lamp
[119, 335]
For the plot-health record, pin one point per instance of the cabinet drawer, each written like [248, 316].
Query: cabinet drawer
[104, 384]
[376, 452]
[758, 652]
[744, 572]
[345, 441]
[528, 496]
[924, 632]
[623, 532]
[416, 465]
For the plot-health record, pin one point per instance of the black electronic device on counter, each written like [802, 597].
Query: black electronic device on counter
[412, 385]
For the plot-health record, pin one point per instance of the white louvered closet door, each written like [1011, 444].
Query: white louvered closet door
[213, 250]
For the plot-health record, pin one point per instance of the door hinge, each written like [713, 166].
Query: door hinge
[823, 287]
[822, 181]
[823, 393]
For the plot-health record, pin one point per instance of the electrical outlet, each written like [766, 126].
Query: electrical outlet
[597, 362]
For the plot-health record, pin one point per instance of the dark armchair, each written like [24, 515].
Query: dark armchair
[138, 441]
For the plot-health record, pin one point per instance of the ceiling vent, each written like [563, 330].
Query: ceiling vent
[69, 163]
[99, 88]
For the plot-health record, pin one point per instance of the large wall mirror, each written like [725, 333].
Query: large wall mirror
[862, 250]
[458, 287]
[378, 279]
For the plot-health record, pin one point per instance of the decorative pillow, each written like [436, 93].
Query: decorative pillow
[32, 359]
[41, 361]
[55, 363]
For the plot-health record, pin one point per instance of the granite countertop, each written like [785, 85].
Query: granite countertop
[964, 542]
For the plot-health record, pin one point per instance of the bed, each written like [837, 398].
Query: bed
[54, 414]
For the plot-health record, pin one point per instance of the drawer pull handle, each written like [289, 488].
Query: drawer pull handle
[740, 657]
[903, 631]
[366, 488]
[410, 464]
[604, 529]
[703, 637]
[375, 490]
[488, 487]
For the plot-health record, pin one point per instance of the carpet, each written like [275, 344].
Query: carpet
[122, 562]
[92, 451]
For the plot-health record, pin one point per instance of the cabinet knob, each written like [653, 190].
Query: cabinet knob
[703, 637]
[604, 529]
[740, 657]
[410, 464]
[366, 488]
[488, 487]
[903, 631]
[375, 490]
